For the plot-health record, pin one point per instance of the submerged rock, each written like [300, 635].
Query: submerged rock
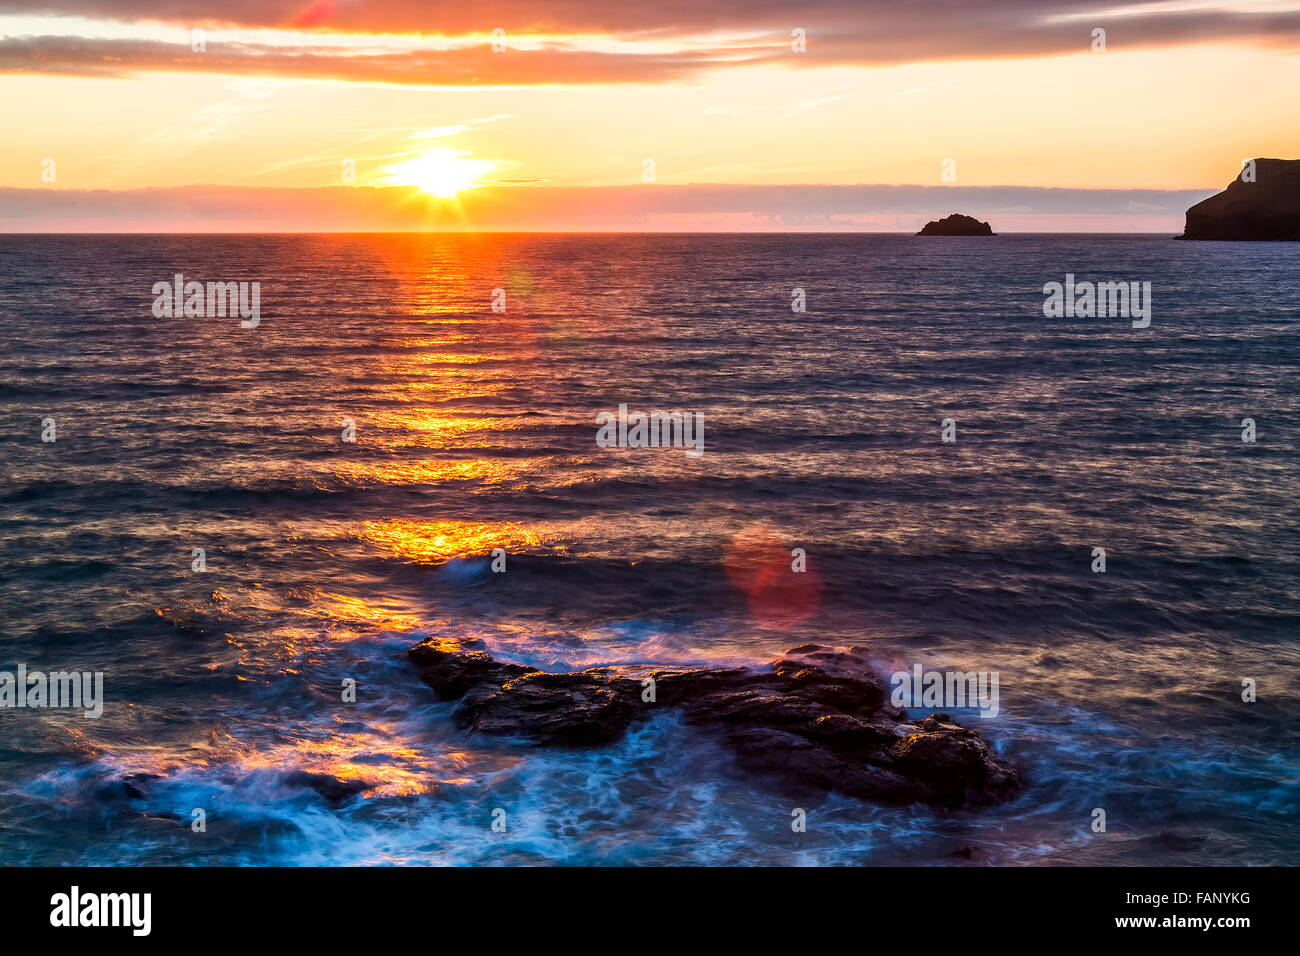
[333, 789]
[128, 787]
[1266, 208]
[818, 720]
[957, 225]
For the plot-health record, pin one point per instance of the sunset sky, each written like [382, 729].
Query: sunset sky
[284, 94]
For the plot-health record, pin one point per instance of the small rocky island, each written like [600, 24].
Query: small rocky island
[817, 721]
[1262, 204]
[957, 225]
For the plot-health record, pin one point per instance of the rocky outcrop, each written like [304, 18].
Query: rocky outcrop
[1264, 206]
[817, 720]
[333, 789]
[957, 225]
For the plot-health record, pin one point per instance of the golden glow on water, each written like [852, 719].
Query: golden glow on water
[435, 541]
[457, 358]
[345, 608]
[445, 387]
[431, 427]
[367, 756]
[442, 340]
[490, 470]
[433, 419]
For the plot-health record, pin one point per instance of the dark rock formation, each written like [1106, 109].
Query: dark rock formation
[818, 720]
[128, 787]
[957, 225]
[1266, 209]
[333, 789]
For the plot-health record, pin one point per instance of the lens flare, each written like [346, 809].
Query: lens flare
[783, 588]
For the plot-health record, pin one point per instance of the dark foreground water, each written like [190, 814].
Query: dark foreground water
[326, 559]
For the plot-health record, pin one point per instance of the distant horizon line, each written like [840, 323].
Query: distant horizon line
[628, 208]
[566, 232]
[544, 184]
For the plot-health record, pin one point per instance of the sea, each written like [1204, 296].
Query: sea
[244, 530]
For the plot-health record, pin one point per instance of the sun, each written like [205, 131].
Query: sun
[440, 172]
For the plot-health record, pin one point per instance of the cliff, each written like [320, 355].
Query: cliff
[1266, 209]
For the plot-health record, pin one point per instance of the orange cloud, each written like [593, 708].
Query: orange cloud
[584, 41]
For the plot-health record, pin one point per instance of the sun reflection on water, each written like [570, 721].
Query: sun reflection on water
[437, 541]
[490, 470]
